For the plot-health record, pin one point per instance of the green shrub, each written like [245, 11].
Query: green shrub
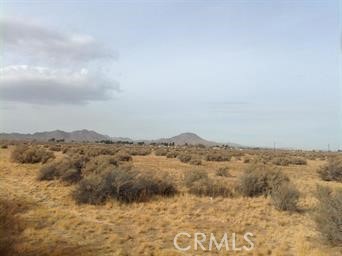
[328, 214]
[332, 171]
[285, 197]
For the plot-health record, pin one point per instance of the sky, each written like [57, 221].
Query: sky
[248, 72]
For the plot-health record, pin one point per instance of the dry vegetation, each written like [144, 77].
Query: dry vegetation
[94, 199]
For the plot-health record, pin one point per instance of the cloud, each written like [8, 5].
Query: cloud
[38, 41]
[41, 85]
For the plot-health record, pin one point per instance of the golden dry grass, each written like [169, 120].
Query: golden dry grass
[55, 225]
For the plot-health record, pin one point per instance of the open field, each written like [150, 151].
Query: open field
[53, 224]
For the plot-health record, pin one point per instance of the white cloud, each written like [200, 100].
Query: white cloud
[38, 41]
[41, 85]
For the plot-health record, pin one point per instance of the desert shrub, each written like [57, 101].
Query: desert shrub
[332, 171]
[223, 172]
[144, 187]
[140, 151]
[209, 187]
[198, 183]
[71, 175]
[184, 158]
[55, 147]
[172, 154]
[282, 161]
[246, 160]
[100, 164]
[259, 179]
[328, 215]
[285, 197]
[161, 152]
[195, 161]
[123, 156]
[298, 161]
[92, 190]
[67, 168]
[287, 160]
[26, 154]
[217, 156]
[194, 175]
[4, 146]
[10, 226]
[122, 185]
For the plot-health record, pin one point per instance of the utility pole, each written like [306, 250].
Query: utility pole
[328, 147]
[274, 146]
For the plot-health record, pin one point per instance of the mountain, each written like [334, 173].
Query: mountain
[92, 136]
[81, 135]
[187, 138]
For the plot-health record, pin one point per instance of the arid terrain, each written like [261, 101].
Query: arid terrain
[52, 223]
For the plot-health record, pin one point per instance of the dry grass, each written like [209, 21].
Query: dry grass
[56, 225]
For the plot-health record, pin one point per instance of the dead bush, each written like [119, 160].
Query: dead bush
[4, 146]
[31, 154]
[71, 175]
[223, 172]
[217, 156]
[332, 171]
[172, 154]
[260, 179]
[99, 164]
[122, 185]
[282, 161]
[92, 190]
[55, 147]
[123, 156]
[67, 168]
[285, 197]
[194, 175]
[184, 158]
[209, 187]
[10, 226]
[328, 215]
[195, 161]
[140, 151]
[287, 160]
[298, 161]
[161, 152]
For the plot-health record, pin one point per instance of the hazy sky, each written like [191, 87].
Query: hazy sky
[249, 72]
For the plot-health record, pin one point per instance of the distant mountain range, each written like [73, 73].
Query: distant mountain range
[92, 136]
[186, 138]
